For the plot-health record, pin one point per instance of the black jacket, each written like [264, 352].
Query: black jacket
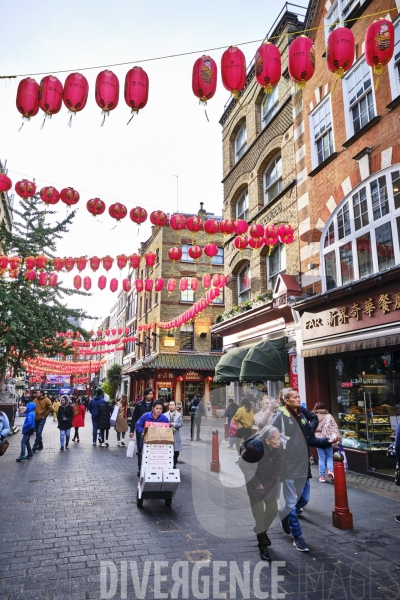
[298, 434]
[64, 411]
[231, 411]
[196, 408]
[260, 465]
[105, 412]
[139, 410]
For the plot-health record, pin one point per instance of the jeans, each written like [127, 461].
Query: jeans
[293, 502]
[325, 455]
[119, 433]
[39, 428]
[176, 454]
[264, 512]
[64, 437]
[25, 443]
[103, 435]
[94, 431]
[195, 422]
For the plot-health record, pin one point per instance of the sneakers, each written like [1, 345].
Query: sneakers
[397, 519]
[122, 443]
[331, 476]
[299, 511]
[118, 443]
[107, 444]
[300, 545]
[285, 525]
[237, 460]
[62, 448]
[93, 443]
[103, 445]
[22, 457]
[322, 479]
[30, 456]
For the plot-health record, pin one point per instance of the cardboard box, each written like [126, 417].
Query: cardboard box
[158, 435]
[171, 480]
[151, 481]
[158, 456]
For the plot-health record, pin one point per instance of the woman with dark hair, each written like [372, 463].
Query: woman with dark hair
[121, 424]
[244, 417]
[78, 419]
[327, 428]
[64, 418]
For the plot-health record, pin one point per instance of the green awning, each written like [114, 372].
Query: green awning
[228, 367]
[268, 361]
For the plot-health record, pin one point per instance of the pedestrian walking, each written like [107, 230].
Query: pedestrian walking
[155, 416]
[297, 425]
[28, 429]
[327, 428]
[244, 417]
[142, 407]
[176, 421]
[4, 425]
[64, 418]
[260, 462]
[121, 424]
[78, 419]
[93, 407]
[43, 408]
[196, 411]
[105, 412]
[230, 411]
[56, 406]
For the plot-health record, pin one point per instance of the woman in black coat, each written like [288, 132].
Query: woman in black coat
[64, 418]
[103, 422]
[260, 462]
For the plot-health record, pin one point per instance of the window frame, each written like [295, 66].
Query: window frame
[214, 259]
[267, 115]
[273, 275]
[395, 64]
[246, 291]
[215, 337]
[337, 6]
[272, 163]
[187, 300]
[315, 139]
[189, 334]
[185, 253]
[348, 115]
[240, 150]
[245, 213]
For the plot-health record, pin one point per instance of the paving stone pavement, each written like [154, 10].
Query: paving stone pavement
[70, 529]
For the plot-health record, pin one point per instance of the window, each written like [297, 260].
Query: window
[218, 259]
[362, 236]
[242, 206]
[240, 142]
[185, 255]
[244, 284]
[394, 65]
[187, 337]
[338, 12]
[216, 342]
[269, 106]
[155, 297]
[219, 299]
[188, 295]
[321, 132]
[276, 264]
[273, 179]
[358, 97]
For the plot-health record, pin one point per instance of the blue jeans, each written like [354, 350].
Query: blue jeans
[39, 429]
[325, 455]
[94, 432]
[25, 444]
[293, 502]
[64, 437]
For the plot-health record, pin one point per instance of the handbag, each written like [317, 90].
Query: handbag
[4, 445]
[114, 416]
[130, 451]
[233, 427]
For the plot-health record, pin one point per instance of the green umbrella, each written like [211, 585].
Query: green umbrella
[268, 361]
[228, 367]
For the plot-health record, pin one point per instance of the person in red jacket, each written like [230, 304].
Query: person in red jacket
[78, 420]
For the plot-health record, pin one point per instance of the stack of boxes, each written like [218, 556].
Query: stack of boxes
[157, 473]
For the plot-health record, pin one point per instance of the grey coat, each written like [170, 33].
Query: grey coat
[178, 422]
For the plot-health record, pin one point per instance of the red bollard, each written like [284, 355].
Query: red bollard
[215, 466]
[342, 518]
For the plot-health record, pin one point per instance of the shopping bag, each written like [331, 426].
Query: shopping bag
[114, 416]
[343, 453]
[233, 427]
[130, 451]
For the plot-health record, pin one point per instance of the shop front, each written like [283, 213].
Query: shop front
[351, 349]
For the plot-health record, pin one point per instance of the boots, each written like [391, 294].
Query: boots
[262, 539]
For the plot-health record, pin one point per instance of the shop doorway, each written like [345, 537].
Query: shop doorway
[190, 389]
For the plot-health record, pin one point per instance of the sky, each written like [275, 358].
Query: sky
[136, 163]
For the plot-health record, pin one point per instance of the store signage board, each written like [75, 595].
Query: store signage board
[192, 376]
[169, 342]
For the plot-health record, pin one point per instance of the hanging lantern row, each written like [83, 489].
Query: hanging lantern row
[192, 312]
[208, 280]
[268, 236]
[58, 264]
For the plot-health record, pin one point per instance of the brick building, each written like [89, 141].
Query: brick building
[259, 178]
[176, 363]
[348, 176]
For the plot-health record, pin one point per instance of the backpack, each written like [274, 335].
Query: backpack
[4, 445]
[193, 410]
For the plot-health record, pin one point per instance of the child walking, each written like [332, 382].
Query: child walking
[28, 429]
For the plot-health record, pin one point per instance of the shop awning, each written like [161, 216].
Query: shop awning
[175, 360]
[228, 367]
[268, 361]
[377, 341]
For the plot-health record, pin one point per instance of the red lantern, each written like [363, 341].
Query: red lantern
[285, 230]
[41, 261]
[122, 261]
[43, 278]
[76, 89]
[177, 222]
[171, 285]
[52, 279]
[215, 280]
[49, 195]
[77, 282]
[5, 183]
[113, 288]
[195, 252]
[107, 332]
[150, 259]
[107, 91]
[81, 263]
[194, 224]
[69, 263]
[256, 231]
[379, 44]
[118, 211]
[139, 285]
[217, 292]
[69, 196]
[159, 218]
[126, 286]
[134, 261]
[206, 281]
[136, 89]
[222, 281]
[99, 333]
[159, 284]
[267, 64]
[107, 262]
[211, 250]
[27, 98]
[14, 262]
[204, 78]
[194, 283]
[241, 226]
[96, 206]
[30, 262]
[301, 60]
[211, 226]
[233, 70]
[30, 275]
[340, 51]
[241, 242]
[271, 230]
[138, 215]
[226, 226]
[25, 189]
[94, 263]
[50, 95]
[183, 284]
[127, 331]
[203, 304]
[148, 285]
[174, 253]
[87, 284]
[256, 243]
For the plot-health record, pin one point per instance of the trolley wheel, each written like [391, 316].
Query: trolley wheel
[139, 501]
[168, 502]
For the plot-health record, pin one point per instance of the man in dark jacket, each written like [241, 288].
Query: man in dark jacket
[297, 425]
[196, 411]
[93, 408]
[103, 423]
[230, 412]
[142, 407]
